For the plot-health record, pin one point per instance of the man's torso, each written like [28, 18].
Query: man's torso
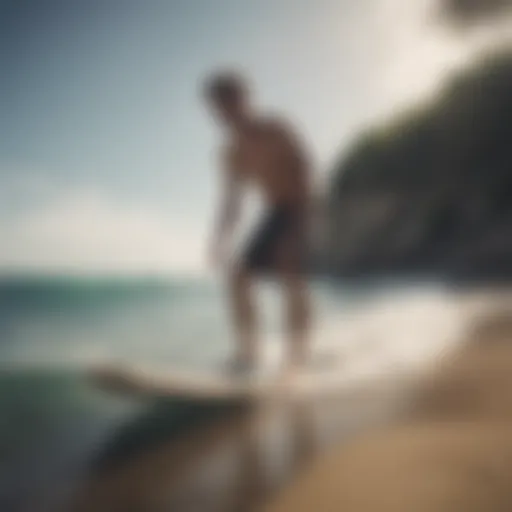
[262, 159]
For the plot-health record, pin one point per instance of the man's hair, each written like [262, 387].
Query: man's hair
[225, 86]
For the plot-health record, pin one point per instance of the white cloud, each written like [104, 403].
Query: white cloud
[84, 231]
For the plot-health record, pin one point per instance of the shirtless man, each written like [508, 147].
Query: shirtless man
[263, 153]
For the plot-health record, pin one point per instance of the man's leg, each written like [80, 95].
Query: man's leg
[296, 294]
[298, 317]
[244, 317]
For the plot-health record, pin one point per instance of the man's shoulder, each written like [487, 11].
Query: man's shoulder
[280, 129]
[273, 123]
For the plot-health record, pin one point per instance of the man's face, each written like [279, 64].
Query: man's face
[229, 111]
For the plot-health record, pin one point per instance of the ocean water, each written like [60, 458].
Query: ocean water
[54, 425]
[63, 322]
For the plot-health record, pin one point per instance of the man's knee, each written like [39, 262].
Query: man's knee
[240, 279]
[297, 294]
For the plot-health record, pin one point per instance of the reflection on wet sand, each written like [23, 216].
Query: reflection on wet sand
[234, 462]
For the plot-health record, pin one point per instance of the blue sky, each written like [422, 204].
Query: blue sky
[106, 151]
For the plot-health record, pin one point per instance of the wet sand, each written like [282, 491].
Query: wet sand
[236, 462]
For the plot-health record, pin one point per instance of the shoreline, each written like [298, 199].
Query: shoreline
[174, 455]
[263, 455]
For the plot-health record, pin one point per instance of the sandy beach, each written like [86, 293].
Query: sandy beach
[451, 453]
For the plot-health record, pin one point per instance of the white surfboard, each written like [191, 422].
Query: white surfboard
[153, 380]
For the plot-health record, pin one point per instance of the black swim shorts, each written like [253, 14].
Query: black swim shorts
[280, 232]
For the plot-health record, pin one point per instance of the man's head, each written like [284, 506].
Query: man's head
[228, 94]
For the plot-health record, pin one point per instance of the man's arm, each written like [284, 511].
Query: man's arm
[229, 208]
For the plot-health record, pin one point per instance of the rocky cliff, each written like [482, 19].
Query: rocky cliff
[431, 192]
